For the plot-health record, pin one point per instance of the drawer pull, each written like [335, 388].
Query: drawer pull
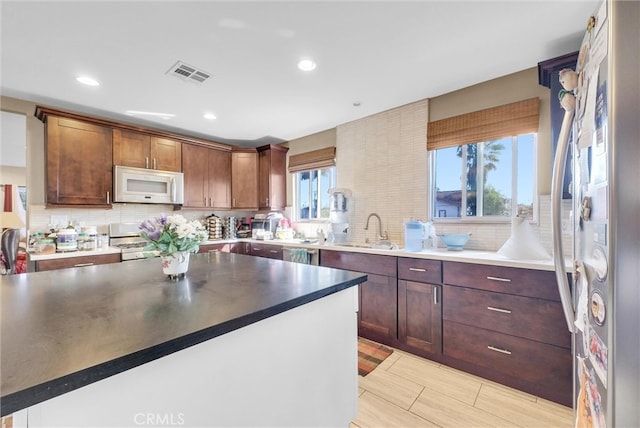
[495, 278]
[502, 351]
[273, 251]
[504, 311]
[215, 250]
[83, 264]
[417, 269]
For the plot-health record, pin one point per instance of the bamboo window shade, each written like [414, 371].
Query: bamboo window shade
[517, 118]
[316, 159]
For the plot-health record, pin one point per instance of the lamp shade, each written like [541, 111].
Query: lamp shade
[10, 220]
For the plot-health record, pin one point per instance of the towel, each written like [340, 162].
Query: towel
[300, 255]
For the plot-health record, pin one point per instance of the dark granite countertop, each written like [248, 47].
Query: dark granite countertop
[67, 328]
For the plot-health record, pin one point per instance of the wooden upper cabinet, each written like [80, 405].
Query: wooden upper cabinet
[131, 148]
[272, 175]
[141, 150]
[195, 164]
[166, 154]
[207, 177]
[78, 163]
[244, 179]
[219, 178]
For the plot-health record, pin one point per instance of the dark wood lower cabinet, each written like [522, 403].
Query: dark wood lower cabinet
[538, 368]
[378, 296]
[233, 247]
[378, 314]
[79, 261]
[507, 325]
[500, 323]
[420, 317]
[269, 251]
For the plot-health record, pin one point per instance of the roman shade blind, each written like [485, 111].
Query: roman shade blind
[316, 159]
[517, 118]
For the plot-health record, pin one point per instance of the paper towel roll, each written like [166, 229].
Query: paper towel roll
[523, 243]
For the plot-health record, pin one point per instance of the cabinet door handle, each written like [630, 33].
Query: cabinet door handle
[435, 295]
[146, 162]
[108, 198]
[502, 351]
[83, 264]
[155, 163]
[417, 269]
[267, 201]
[504, 311]
[496, 278]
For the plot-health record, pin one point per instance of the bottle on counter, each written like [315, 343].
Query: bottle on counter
[104, 241]
[90, 236]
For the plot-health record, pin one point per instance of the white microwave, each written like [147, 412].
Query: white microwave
[147, 186]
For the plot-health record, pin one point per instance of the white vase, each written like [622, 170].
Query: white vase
[176, 263]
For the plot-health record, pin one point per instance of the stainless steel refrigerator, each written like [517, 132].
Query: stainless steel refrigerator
[601, 128]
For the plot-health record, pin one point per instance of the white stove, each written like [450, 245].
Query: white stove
[126, 236]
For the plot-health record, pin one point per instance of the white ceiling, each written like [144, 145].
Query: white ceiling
[381, 54]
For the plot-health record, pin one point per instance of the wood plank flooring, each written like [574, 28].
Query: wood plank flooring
[409, 391]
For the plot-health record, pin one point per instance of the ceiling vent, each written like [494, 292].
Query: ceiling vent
[188, 73]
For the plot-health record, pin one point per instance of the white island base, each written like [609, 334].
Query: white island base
[297, 368]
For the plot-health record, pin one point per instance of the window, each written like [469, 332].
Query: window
[483, 163]
[314, 173]
[312, 193]
[487, 179]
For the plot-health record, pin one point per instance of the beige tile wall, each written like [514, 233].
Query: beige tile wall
[383, 160]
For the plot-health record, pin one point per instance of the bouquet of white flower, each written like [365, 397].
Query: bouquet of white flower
[172, 234]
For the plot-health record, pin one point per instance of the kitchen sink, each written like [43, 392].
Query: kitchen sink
[345, 244]
[380, 245]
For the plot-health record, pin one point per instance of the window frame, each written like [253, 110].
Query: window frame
[295, 185]
[431, 182]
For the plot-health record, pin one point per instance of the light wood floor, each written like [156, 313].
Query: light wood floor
[409, 391]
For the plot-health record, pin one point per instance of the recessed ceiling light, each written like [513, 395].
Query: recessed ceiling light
[209, 116]
[306, 64]
[150, 113]
[88, 81]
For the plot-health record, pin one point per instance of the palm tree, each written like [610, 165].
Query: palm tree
[490, 154]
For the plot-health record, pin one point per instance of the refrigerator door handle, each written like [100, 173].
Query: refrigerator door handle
[556, 219]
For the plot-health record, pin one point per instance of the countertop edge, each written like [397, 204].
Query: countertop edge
[465, 256]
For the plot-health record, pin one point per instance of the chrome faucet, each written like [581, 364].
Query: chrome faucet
[380, 235]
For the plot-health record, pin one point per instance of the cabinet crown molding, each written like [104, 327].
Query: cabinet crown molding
[43, 112]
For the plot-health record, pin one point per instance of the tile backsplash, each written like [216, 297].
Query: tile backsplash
[491, 237]
[41, 218]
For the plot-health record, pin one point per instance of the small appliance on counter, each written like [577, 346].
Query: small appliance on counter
[339, 217]
[264, 226]
[243, 231]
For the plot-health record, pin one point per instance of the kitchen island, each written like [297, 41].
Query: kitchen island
[240, 341]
